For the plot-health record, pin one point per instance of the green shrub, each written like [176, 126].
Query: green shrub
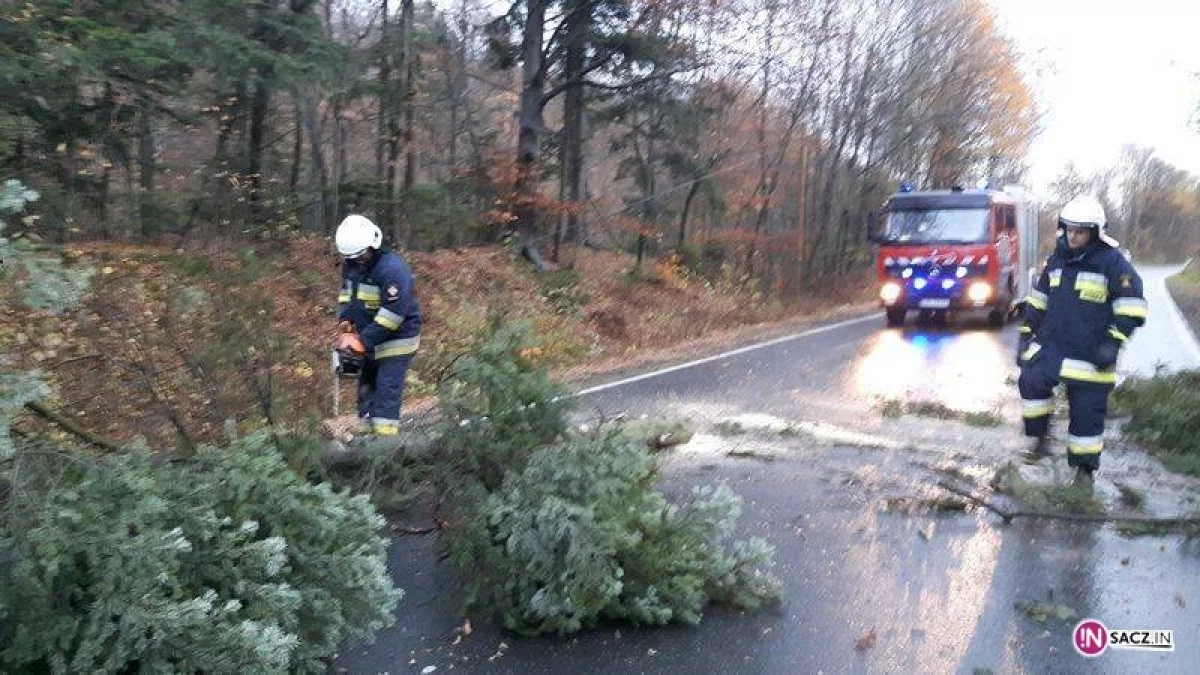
[160, 212]
[439, 216]
[48, 283]
[706, 260]
[1165, 416]
[223, 562]
[554, 531]
[581, 535]
[500, 405]
[561, 289]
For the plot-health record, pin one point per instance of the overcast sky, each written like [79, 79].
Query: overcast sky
[1107, 73]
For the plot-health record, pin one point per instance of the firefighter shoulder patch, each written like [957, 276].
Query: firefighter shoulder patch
[393, 292]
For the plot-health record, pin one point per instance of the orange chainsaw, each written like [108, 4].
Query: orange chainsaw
[346, 359]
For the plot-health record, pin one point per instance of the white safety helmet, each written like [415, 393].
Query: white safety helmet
[1086, 211]
[356, 234]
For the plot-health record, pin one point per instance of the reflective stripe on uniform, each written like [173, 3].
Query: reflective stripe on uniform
[1025, 330]
[1116, 334]
[1135, 307]
[1037, 299]
[1092, 286]
[388, 319]
[369, 295]
[385, 427]
[1091, 279]
[1055, 278]
[397, 347]
[344, 294]
[1085, 445]
[1083, 371]
[1037, 407]
[1031, 351]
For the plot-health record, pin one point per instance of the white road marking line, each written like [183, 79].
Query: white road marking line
[725, 355]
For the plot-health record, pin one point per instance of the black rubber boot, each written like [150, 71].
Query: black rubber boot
[1039, 451]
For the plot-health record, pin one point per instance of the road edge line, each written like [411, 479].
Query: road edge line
[723, 355]
[1181, 324]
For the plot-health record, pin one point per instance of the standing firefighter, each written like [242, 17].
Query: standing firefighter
[1084, 308]
[377, 305]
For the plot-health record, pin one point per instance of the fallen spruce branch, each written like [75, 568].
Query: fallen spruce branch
[404, 529]
[70, 427]
[1007, 515]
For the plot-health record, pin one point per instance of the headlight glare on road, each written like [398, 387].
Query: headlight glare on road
[980, 291]
[890, 292]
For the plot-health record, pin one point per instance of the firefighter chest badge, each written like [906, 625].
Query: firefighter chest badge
[392, 292]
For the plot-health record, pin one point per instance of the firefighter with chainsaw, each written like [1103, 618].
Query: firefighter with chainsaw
[379, 323]
[1084, 308]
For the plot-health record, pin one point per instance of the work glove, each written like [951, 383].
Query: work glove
[1106, 355]
[349, 345]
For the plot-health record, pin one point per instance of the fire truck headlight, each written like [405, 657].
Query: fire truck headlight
[890, 292]
[907, 272]
[920, 283]
[947, 284]
[960, 272]
[980, 291]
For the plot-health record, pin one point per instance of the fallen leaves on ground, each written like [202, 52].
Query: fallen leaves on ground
[865, 641]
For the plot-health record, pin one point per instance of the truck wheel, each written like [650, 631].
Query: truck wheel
[895, 316]
[999, 315]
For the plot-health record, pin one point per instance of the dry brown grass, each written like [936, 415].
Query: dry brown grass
[616, 323]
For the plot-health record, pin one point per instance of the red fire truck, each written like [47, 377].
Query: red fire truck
[945, 251]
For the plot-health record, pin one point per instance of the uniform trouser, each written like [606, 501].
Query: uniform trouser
[381, 392]
[1087, 400]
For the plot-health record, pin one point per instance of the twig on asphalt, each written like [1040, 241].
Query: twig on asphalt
[1007, 515]
[415, 530]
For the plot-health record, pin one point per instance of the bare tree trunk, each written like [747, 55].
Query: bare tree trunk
[407, 62]
[318, 176]
[797, 279]
[339, 135]
[456, 90]
[763, 162]
[258, 136]
[572, 142]
[297, 146]
[393, 140]
[687, 209]
[385, 96]
[146, 163]
[533, 79]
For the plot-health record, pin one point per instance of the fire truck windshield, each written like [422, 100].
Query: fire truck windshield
[937, 226]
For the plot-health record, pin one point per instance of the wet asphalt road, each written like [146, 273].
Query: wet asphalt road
[937, 590]
[1165, 340]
